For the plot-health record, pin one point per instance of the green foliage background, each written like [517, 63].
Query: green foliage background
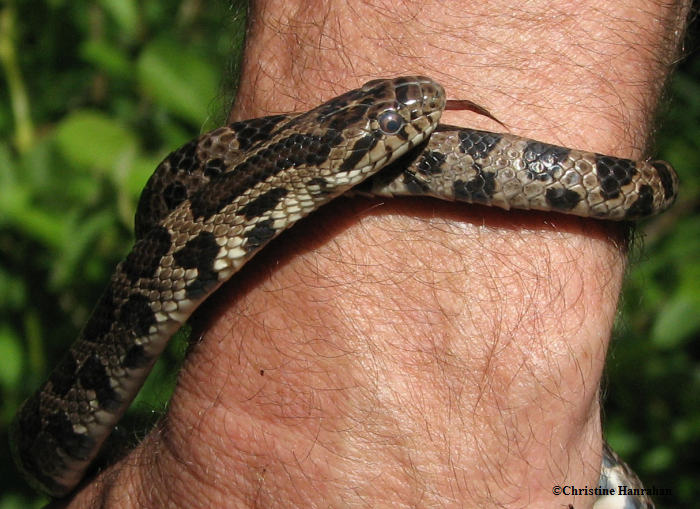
[93, 94]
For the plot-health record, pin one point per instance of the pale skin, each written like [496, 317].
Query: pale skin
[414, 352]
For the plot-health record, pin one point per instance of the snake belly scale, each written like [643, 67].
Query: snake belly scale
[219, 199]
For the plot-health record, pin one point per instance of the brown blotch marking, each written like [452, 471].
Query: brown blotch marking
[430, 162]
[136, 357]
[33, 433]
[199, 253]
[478, 144]
[60, 428]
[478, 189]
[294, 150]
[250, 132]
[62, 378]
[26, 432]
[174, 195]
[359, 150]
[264, 203]
[543, 161]
[144, 211]
[643, 205]
[136, 315]
[667, 180]
[144, 258]
[562, 199]
[102, 317]
[184, 158]
[334, 105]
[373, 92]
[214, 167]
[92, 375]
[614, 173]
[348, 116]
[414, 184]
[260, 235]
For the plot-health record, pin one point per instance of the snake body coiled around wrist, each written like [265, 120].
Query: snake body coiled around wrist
[216, 201]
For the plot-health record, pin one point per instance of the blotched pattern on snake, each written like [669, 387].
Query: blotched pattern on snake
[216, 201]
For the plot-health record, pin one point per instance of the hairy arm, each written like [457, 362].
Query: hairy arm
[414, 352]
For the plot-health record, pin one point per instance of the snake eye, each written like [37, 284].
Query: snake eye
[390, 122]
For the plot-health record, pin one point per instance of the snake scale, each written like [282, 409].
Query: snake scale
[216, 201]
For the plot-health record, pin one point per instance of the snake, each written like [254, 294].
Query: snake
[212, 204]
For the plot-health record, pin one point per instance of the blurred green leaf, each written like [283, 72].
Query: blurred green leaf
[141, 170]
[677, 321]
[94, 140]
[13, 293]
[42, 226]
[10, 357]
[80, 235]
[107, 57]
[125, 13]
[658, 458]
[13, 197]
[16, 501]
[178, 78]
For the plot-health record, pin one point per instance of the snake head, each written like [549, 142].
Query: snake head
[380, 121]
